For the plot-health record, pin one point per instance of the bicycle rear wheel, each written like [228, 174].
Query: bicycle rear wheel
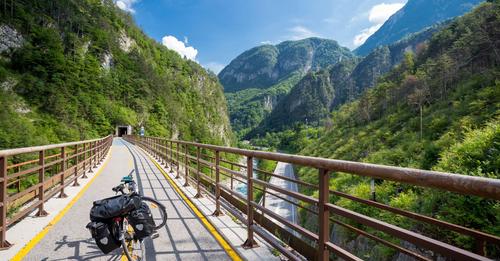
[157, 209]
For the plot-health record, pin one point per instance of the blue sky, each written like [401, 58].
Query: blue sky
[213, 32]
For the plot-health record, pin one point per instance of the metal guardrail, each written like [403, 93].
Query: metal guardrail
[192, 158]
[46, 171]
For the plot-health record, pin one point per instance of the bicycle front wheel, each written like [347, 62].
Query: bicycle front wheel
[158, 211]
[133, 249]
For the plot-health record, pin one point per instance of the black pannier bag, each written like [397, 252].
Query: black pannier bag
[142, 221]
[103, 237]
[108, 208]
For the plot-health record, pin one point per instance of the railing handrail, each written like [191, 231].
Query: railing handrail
[23, 150]
[470, 185]
[168, 151]
[72, 164]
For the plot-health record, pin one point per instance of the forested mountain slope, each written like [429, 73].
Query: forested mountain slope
[413, 17]
[247, 108]
[266, 65]
[438, 110]
[73, 69]
[313, 98]
[255, 81]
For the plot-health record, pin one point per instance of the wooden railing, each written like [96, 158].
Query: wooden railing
[198, 163]
[32, 175]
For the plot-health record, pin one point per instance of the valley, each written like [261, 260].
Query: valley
[286, 131]
[415, 102]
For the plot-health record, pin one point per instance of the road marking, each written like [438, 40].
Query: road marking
[35, 240]
[225, 245]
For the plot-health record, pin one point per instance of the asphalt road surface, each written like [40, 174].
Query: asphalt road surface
[183, 238]
[281, 207]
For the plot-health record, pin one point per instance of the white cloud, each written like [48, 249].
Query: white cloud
[185, 51]
[301, 32]
[214, 67]
[377, 16]
[126, 5]
[266, 42]
[381, 12]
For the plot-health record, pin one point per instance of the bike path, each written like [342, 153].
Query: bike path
[183, 238]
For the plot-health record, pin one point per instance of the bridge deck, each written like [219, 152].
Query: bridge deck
[185, 237]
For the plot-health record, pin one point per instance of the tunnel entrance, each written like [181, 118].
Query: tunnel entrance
[123, 130]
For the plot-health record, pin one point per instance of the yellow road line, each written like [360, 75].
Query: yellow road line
[225, 245]
[34, 241]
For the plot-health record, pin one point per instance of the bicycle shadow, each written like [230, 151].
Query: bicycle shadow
[91, 251]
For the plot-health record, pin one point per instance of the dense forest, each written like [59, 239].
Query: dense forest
[73, 69]
[437, 110]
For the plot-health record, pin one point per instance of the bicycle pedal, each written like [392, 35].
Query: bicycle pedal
[155, 235]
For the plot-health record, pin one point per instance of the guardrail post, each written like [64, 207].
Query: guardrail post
[99, 152]
[480, 247]
[177, 155]
[217, 211]
[186, 164]
[75, 184]
[63, 170]
[103, 150]
[250, 242]
[232, 168]
[198, 170]
[158, 148]
[164, 156]
[155, 147]
[41, 181]
[323, 215]
[94, 154]
[151, 146]
[167, 159]
[91, 149]
[84, 176]
[172, 160]
[4, 244]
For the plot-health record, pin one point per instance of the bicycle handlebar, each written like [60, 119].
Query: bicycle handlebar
[119, 188]
[131, 186]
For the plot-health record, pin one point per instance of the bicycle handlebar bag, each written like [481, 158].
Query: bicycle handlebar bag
[142, 221]
[108, 208]
[103, 237]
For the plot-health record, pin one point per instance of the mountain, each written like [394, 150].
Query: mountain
[255, 81]
[247, 108]
[308, 101]
[439, 110]
[413, 17]
[75, 69]
[266, 65]
[318, 93]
